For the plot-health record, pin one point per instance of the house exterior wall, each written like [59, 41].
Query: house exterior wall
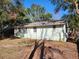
[58, 33]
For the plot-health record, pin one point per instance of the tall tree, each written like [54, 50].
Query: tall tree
[72, 19]
[72, 6]
[10, 11]
[3, 12]
[37, 12]
[46, 16]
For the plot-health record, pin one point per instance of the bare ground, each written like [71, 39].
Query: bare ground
[54, 50]
[25, 49]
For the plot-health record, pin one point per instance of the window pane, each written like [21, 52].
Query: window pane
[35, 30]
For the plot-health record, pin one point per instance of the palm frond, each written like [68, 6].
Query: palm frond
[64, 4]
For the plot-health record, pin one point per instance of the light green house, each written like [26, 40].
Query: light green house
[49, 30]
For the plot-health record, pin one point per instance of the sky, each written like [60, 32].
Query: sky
[48, 7]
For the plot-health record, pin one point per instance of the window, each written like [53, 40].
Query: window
[54, 26]
[19, 29]
[25, 30]
[35, 30]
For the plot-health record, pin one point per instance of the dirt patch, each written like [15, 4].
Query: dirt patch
[55, 50]
[13, 49]
[11, 52]
[23, 49]
[65, 50]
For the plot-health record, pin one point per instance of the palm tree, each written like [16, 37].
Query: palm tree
[71, 5]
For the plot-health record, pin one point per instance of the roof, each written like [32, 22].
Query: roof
[42, 24]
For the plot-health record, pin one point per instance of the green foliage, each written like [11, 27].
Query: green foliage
[13, 13]
[37, 13]
[7, 10]
[46, 16]
[73, 21]
[72, 18]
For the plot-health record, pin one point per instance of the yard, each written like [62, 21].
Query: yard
[22, 49]
[12, 48]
